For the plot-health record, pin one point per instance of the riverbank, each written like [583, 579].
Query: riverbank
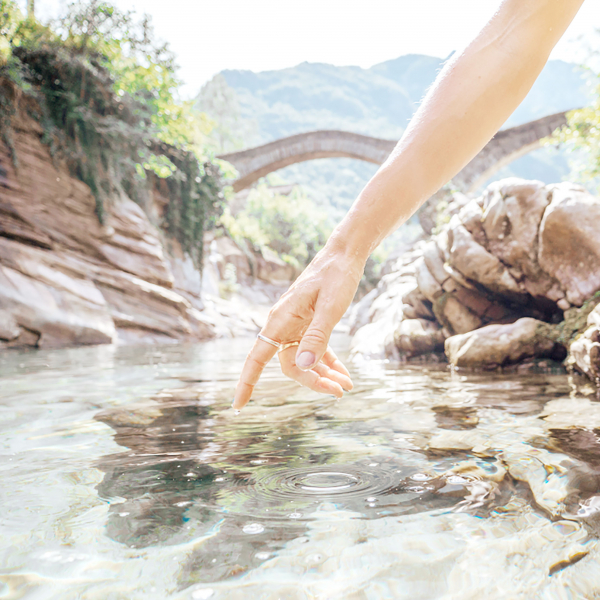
[66, 279]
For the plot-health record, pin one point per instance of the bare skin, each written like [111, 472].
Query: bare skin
[470, 100]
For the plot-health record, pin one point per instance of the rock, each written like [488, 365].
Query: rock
[231, 254]
[417, 304]
[359, 312]
[71, 313]
[569, 248]
[9, 328]
[418, 336]
[522, 250]
[274, 270]
[498, 345]
[427, 283]
[456, 316]
[65, 279]
[435, 262]
[585, 350]
[133, 244]
[477, 264]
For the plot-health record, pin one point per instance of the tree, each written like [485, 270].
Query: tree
[105, 92]
[220, 103]
[291, 225]
[582, 132]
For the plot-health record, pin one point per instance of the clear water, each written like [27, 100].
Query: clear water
[125, 475]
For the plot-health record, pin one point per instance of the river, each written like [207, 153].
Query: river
[126, 475]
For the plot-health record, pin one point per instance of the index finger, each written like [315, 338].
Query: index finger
[256, 361]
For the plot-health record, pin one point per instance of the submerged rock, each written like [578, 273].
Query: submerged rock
[496, 280]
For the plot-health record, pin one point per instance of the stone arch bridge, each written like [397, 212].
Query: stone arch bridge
[506, 146]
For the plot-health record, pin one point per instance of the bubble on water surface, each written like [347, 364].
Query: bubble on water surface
[253, 528]
[456, 480]
[421, 477]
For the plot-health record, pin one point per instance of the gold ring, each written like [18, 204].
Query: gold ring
[288, 345]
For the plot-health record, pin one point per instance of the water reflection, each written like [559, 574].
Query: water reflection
[420, 483]
[252, 484]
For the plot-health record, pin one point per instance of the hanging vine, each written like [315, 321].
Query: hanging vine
[103, 92]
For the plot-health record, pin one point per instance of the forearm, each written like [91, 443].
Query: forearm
[470, 100]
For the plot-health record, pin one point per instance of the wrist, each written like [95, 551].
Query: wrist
[350, 245]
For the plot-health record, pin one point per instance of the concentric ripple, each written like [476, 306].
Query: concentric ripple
[337, 483]
[293, 494]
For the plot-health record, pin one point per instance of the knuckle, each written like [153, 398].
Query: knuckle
[261, 363]
[316, 336]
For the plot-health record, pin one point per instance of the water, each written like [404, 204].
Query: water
[126, 475]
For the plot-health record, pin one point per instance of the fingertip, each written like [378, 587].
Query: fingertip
[238, 403]
[305, 360]
[336, 389]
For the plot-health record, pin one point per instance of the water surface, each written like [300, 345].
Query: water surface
[125, 475]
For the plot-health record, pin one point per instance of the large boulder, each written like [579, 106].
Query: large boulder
[569, 245]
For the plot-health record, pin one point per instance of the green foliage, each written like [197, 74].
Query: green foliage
[290, 225]
[220, 103]
[106, 94]
[199, 196]
[582, 135]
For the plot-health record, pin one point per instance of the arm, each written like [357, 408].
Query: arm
[469, 101]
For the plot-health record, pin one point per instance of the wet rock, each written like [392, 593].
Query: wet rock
[497, 345]
[418, 336]
[584, 353]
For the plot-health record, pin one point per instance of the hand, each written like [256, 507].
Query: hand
[307, 313]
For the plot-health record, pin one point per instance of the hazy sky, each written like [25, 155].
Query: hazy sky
[211, 35]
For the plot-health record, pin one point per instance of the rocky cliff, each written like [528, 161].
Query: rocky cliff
[65, 279]
[515, 275]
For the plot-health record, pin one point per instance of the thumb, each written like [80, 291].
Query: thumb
[315, 341]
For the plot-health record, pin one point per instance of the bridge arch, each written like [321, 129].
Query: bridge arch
[506, 146]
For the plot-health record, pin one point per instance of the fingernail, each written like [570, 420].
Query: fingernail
[345, 390]
[237, 412]
[305, 360]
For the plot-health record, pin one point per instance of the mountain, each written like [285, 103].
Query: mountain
[379, 101]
